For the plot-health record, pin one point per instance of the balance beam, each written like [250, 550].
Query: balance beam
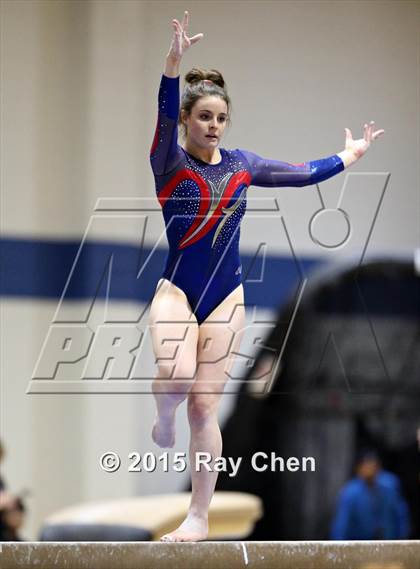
[213, 555]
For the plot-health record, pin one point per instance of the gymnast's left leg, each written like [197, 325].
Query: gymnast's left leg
[219, 338]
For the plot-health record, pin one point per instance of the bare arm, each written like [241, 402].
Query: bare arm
[171, 67]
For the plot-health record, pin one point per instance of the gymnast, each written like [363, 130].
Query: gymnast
[197, 311]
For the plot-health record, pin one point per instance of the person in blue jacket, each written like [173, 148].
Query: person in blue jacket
[371, 506]
[197, 315]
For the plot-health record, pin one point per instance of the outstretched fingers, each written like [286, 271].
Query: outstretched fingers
[177, 29]
[177, 26]
[181, 31]
[349, 136]
[370, 129]
[377, 134]
[177, 41]
[370, 133]
[366, 132]
[185, 21]
[196, 38]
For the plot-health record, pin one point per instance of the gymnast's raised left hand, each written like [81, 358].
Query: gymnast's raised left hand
[355, 149]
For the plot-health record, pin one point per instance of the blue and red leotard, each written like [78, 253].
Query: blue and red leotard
[203, 205]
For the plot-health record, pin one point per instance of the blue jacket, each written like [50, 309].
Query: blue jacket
[371, 512]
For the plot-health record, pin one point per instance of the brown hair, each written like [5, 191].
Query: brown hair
[202, 83]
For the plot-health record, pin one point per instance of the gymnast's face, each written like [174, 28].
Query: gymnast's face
[206, 122]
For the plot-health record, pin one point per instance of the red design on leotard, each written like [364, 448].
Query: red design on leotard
[237, 179]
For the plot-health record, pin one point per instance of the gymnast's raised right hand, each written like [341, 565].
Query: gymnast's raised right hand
[181, 42]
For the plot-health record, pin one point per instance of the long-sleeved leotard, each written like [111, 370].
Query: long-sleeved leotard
[203, 205]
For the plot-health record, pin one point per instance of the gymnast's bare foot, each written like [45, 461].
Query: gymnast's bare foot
[193, 528]
[163, 432]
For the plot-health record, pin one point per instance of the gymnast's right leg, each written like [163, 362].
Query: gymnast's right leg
[174, 331]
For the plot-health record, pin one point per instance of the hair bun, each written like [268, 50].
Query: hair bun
[196, 75]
